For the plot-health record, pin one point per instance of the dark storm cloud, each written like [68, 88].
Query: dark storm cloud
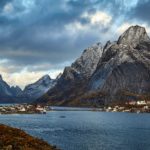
[24, 32]
[141, 11]
[3, 2]
[34, 32]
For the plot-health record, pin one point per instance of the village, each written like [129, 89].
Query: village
[131, 106]
[140, 106]
[23, 109]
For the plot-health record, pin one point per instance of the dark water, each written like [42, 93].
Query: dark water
[87, 130]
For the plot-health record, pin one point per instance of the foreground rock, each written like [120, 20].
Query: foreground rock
[15, 139]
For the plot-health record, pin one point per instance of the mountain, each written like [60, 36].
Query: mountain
[16, 91]
[37, 89]
[74, 78]
[117, 72]
[7, 93]
[14, 94]
[133, 36]
[123, 72]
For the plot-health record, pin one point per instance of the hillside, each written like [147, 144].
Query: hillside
[104, 74]
[16, 139]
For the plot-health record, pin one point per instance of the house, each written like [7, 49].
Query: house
[146, 107]
[22, 109]
[132, 103]
[39, 108]
[148, 102]
[141, 103]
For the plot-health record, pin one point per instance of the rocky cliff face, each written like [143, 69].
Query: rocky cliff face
[133, 36]
[7, 93]
[31, 92]
[87, 63]
[119, 71]
[37, 89]
[124, 67]
[74, 78]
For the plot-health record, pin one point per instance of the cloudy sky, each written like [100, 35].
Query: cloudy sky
[40, 37]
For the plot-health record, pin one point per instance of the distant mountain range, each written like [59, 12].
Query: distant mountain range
[114, 73]
[30, 93]
[35, 90]
[7, 93]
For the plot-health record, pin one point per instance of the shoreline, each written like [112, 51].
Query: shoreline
[19, 109]
[23, 109]
[13, 138]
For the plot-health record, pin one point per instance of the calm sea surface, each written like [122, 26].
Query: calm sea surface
[86, 130]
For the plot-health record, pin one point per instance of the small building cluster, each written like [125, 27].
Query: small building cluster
[131, 106]
[138, 103]
[23, 109]
[41, 109]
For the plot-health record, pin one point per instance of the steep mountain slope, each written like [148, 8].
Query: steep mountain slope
[74, 78]
[124, 67]
[7, 93]
[31, 92]
[37, 89]
[118, 72]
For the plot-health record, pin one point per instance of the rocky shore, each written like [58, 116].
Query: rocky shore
[16, 139]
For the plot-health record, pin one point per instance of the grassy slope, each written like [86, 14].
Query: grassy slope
[16, 139]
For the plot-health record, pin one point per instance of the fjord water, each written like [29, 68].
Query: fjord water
[86, 130]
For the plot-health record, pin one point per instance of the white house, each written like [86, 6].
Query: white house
[141, 103]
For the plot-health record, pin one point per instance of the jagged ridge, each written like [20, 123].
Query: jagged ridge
[74, 78]
[30, 93]
[120, 66]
